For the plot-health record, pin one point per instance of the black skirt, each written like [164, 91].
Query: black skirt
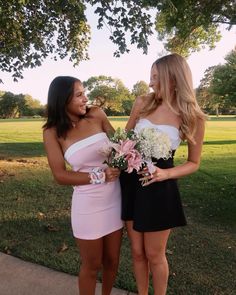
[154, 207]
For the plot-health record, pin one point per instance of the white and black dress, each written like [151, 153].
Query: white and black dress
[157, 206]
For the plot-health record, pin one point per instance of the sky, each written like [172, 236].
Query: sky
[130, 68]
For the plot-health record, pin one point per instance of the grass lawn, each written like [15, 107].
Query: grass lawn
[35, 211]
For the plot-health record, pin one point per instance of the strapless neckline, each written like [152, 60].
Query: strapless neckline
[167, 125]
[170, 130]
[84, 142]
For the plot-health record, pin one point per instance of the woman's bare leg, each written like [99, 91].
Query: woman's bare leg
[110, 260]
[140, 262]
[91, 258]
[155, 247]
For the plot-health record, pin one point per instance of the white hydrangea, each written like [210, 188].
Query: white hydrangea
[154, 144]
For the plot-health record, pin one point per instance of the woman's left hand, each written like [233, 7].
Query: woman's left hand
[158, 175]
[111, 174]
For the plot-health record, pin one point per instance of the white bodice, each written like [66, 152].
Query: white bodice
[172, 131]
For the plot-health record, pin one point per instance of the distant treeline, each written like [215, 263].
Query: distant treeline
[216, 94]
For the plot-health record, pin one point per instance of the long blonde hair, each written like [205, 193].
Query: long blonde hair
[174, 76]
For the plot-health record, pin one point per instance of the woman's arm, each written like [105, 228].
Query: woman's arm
[190, 166]
[57, 164]
[106, 125]
[194, 155]
[135, 112]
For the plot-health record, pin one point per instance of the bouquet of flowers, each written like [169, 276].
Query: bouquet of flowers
[131, 150]
[122, 151]
[153, 144]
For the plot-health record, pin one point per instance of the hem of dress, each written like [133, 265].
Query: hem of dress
[99, 236]
[160, 228]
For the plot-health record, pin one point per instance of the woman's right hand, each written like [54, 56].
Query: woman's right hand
[111, 174]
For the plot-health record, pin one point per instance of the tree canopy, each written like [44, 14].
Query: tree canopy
[108, 93]
[188, 25]
[31, 30]
[223, 84]
[217, 90]
[140, 88]
[19, 105]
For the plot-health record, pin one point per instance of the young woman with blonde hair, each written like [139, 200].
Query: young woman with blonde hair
[151, 210]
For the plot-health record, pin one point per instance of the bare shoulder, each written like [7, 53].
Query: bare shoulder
[100, 117]
[49, 132]
[95, 111]
[140, 100]
[49, 135]
[143, 100]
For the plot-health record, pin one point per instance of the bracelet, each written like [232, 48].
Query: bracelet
[97, 176]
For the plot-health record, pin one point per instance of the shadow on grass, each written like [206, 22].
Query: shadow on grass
[22, 149]
[191, 272]
[213, 142]
[222, 118]
[36, 149]
[48, 242]
[21, 120]
[221, 142]
[121, 119]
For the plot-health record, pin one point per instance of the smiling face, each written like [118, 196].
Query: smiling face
[77, 105]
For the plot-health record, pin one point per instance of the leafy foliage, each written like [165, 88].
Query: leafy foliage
[108, 93]
[224, 80]
[217, 90]
[19, 105]
[122, 17]
[184, 25]
[189, 25]
[127, 106]
[140, 88]
[205, 99]
[8, 105]
[32, 30]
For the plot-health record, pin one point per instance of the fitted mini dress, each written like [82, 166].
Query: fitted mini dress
[157, 206]
[95, 208]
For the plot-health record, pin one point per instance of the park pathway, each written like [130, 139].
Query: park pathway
[18, 277]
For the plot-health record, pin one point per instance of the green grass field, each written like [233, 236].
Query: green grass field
[35, 211]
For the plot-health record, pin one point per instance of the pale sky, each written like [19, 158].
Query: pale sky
[130, 68]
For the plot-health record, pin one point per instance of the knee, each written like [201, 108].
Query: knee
[111, 262]
[138, 254]
[156, 258]
[91, 266]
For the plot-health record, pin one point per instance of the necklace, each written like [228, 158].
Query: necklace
[74, 123]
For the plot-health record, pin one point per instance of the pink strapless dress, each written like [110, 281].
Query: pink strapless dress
[95, 208]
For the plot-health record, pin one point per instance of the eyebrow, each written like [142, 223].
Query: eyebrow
[79, 91]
